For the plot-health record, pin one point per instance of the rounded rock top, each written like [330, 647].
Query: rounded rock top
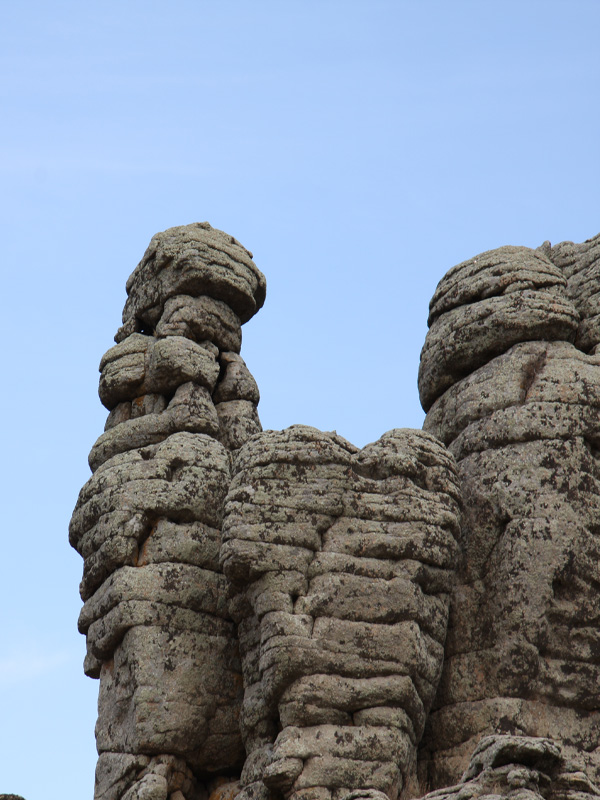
[194, 260]
[493, 274]
[484, 306]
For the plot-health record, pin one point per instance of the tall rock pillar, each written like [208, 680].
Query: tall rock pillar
[510, 380]
[148, 522]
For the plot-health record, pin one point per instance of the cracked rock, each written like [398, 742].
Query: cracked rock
[517, 402]
[148, 522]
[341, 645]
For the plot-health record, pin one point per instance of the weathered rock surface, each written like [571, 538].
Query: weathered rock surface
[341, 563]
[580, 264]
[512, 385]
[193, 260]
[148, 522]
[520, 768]
[282, 616]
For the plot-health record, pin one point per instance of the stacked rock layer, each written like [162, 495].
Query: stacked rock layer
[341, 562]
[510, 379]
[148, 522]
[282, 616]
[519, 768]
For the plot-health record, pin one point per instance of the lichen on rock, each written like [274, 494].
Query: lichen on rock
[281, 615]
[148, 522]
[519, 411]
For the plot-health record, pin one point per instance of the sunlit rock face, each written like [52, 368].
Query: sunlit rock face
[341, 563]
[148, 522]
[510, 378]
[280, 615]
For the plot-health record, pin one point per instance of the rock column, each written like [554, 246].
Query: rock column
[510, 379]
[148, 522]
[341, 562]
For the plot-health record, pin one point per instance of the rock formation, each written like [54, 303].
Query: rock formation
[148, 522]
[519, 768]
[341, 562]
[279, 615]
[510, 380]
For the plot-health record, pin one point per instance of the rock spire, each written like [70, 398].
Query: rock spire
[148, 522]
[280, 615]
[510, 380]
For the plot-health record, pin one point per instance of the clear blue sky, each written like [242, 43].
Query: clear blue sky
[359, 149]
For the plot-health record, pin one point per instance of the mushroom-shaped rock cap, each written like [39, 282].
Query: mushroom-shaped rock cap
[194, 260]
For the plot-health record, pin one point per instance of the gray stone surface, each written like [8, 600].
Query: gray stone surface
[195, 260]
[521, 417]
[487, 304]
[521, 768]
[580, 264]
[341, 643]
[281, 615]
[148, 522]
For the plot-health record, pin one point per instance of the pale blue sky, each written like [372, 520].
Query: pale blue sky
[359, 149]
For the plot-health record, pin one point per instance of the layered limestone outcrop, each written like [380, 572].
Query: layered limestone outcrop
[280, 615]
[341, 563]
[510, 380]
[148, 522]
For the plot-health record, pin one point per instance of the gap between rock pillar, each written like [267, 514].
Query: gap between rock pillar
[148, 522]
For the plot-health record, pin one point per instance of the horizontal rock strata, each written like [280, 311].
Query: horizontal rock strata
[341, 562]
[148, 522]
[511, 383]
[580, 264]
